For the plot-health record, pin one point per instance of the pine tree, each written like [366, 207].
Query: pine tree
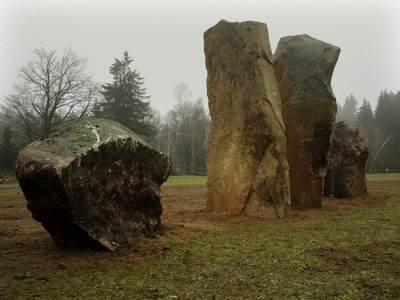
[386, 146]
[339, 113]
[348, 111]
[365, 116]
[8, 150]
[125, 99]
[387, 112]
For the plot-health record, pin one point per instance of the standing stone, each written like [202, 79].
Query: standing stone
[247, 167]
[303, 68]
[93, 184]
[345, 177]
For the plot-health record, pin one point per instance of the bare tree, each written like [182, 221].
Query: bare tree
[379, 141]
[182, 92]
[187, 128]
[51, 92]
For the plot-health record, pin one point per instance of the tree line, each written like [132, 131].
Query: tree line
[380, 129]
[55, 91]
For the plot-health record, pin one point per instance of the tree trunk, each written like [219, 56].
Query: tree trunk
[377, 152]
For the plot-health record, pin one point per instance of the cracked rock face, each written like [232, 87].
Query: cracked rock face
[303, 68]
[93, 184]
[247, 166]
[345, 177]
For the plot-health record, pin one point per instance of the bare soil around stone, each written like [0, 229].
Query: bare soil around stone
[24, 241]
[30, 262]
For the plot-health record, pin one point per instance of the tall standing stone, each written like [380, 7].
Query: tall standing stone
[345, 177]
[303, 68]
[247, 167]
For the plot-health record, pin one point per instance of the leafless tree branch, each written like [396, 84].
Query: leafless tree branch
[51, 91]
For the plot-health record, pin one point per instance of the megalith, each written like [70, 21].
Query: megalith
[247, 166]
[93, 184]
[303, 68]
[345, 177]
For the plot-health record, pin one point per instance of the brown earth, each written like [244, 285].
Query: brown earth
[24, 241]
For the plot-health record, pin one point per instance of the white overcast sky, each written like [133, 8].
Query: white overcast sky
[165, 38]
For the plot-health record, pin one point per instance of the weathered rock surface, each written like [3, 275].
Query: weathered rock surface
[303, 68]
[93, 184]
[345, 177]
[247, 167]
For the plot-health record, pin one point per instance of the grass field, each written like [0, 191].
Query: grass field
[185, 179]
[352, 254]
[383, 177]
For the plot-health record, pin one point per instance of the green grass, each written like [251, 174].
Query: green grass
[185, 180]
[172, 180]
[189, 179]
[243, 262]
[10, 191]
[8, 175]
[351, 255]
[382, 176]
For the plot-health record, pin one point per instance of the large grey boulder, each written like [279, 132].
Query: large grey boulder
[303, 68]
[247, 166]
[345, 177]
[93, 184]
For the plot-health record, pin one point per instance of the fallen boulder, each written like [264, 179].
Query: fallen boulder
[247, 166]
[93, 184]
[345, 177]
[303, 68]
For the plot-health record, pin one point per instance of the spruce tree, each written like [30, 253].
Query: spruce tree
[387, 134]
[8, 151]
[125, 100]
[348, 111]
[365, 116]
[388, 111]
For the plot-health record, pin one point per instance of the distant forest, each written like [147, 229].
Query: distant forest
[54, 91]
[380, 129]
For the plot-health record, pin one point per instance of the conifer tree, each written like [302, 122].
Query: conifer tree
[8, 151]
[386, 146]
[388, 111]
[347, 112]
[365, 116]
[125, 100]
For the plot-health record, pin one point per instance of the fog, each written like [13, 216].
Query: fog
[165, 38]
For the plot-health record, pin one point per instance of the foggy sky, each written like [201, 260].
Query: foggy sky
[165, 38]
